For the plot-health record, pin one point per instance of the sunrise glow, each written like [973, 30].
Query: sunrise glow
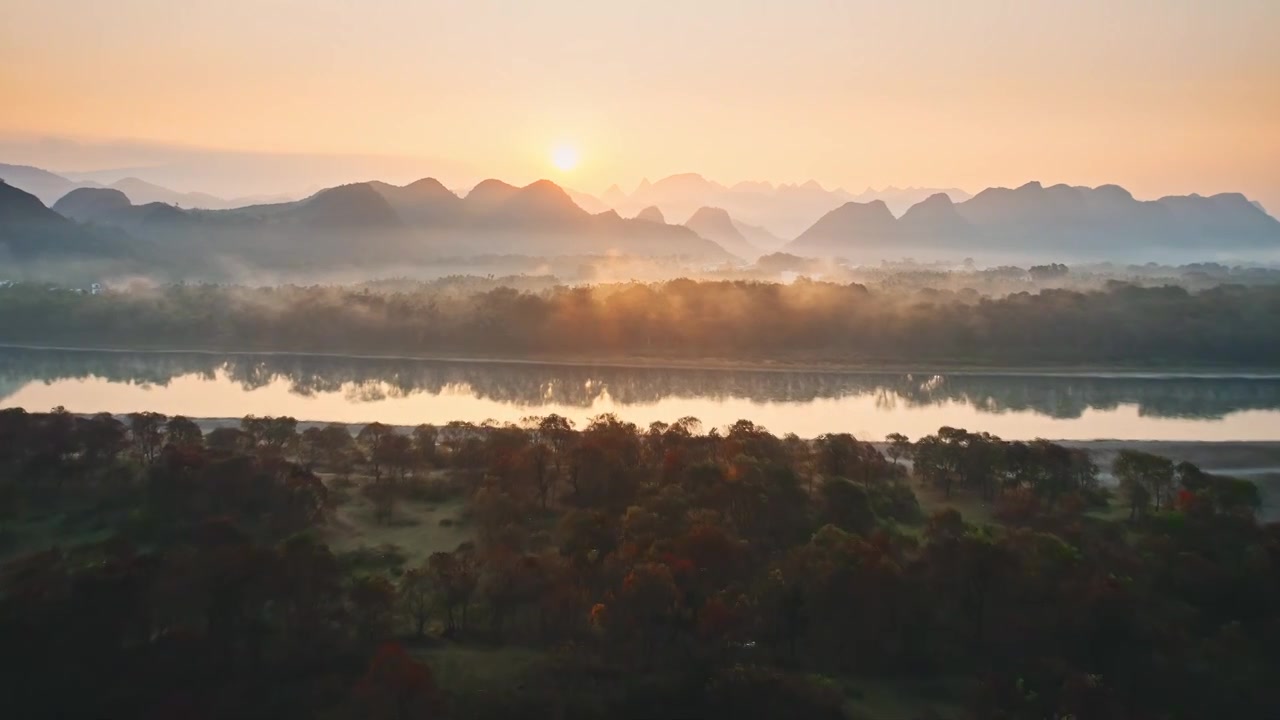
[564, 157]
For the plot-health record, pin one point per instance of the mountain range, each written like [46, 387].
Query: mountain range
[715, 224]
[1036, 222]
[50, 187]
[377, 224]
[31, 233]
[770, 211]
[374, 223]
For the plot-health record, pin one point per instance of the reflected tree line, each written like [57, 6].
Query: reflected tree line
[530, 385]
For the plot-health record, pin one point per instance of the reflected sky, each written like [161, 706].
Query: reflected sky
[870, 405]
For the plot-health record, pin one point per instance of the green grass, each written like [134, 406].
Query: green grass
[489, 682]
[973, 509]
[878, 699]
[41, 532]
[415, 528]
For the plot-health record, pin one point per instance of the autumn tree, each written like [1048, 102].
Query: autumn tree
[396, 687]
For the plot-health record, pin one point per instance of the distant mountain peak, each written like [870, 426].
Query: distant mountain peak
[715, 224]
[491, 185]
[1073, 223]
[92, 204]
[849, 223]
[549, 193]
[709, 215]
[613, 196]
[355, 204]
[652, 214]
[936, 200]
[686, 183]
[20, 206]
[490, 193]
[123, 184]
[545, 186]
[1114, 191]
[429, 185]
[541, 202]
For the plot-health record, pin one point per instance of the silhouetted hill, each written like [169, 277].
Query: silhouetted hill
[44, 185]
[1035, 222]
[94, 205]
[377, 224]
[588, 202]
[50, 187]
[870, 221]
[422, 201]
[358, 205]
[18, 206]
[613, 197]
[900, 200]
[780, 210]
[33, 233]
[489, 195]
[760, 237]
[142, 192]
[652, 214]
[541, 203]
[715, 224]
[935, 215]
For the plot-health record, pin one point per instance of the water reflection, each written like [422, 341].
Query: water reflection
[548, 387]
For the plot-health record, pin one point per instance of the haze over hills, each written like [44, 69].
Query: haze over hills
[381, 225]
[33, 233]
[375, 223]
[715, 224]
[1033, 222]
[779, 210]
[50, 187]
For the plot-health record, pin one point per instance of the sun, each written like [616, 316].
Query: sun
[564, 157]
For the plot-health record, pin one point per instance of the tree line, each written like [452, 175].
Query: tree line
[801, 321]
[668, 570]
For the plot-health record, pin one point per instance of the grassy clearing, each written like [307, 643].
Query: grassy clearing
[875, 699]
[488, 682]
[973, 509]
[41, 532]
[416, 528]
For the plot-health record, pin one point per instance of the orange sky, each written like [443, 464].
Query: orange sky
[1167, 96]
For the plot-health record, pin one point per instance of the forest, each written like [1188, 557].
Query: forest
[803, 322]
[155, 568]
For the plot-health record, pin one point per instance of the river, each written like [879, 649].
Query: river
[1013, 405]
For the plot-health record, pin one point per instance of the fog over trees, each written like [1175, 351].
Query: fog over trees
[803, 321]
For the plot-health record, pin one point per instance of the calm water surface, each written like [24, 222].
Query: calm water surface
[870, 405]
